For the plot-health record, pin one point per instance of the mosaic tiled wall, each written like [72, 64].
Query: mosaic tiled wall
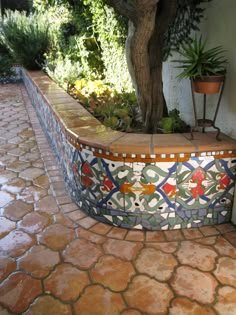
[137, 194]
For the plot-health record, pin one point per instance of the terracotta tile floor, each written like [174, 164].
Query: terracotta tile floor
[55, 260]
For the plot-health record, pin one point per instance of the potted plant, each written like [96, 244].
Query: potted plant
[205, 67]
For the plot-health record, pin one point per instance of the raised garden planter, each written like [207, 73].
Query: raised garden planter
[154, 182]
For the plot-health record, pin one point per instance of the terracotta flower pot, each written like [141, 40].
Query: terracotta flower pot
[208, 84]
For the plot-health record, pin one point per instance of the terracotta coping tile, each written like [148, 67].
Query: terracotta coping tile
[91, 129]
[57, 100]
[101, 140]
[132, 143]
[73, 105]
[171, 143]
[80, 125]
[207, 142]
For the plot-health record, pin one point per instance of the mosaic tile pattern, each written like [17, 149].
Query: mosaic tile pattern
[188, 190]
[56, 260]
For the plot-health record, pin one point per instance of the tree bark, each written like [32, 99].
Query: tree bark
[148, 21]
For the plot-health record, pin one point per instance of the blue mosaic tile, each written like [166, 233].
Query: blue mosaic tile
[153, 196]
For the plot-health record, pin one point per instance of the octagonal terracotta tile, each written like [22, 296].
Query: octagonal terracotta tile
[42, 181]
[17, 210]
[184, 306]
[6, 226]
[32, 194]
[225, 271]
[15, 186]
[163, 267]
[34, 222]
[18, 166]
[226, 301]
[82, 253]
[66, 282]
[124, 249]
[103, 301]
[197, 255]
[7, 266]
[131, 312]
[5, 198]
[16, 243]
[3, 311]
[225, 248]
[6, 176]
[112, 273]
[48, 305]
[194, 284]
[148, 295]
[18, 291]
[39, 261]
[57, 236]
[31, 173]
[47, 204]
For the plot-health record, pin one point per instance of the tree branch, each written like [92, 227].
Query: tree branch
[123, 7]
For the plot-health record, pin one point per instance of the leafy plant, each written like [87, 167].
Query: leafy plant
[113, 109]
[173, 123]
[26, 37]
[6, 62]
[64, 72]
[200, 61]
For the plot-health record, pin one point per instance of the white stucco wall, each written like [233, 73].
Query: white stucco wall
[219, 27]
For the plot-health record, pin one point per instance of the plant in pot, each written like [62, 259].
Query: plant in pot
[205, 67]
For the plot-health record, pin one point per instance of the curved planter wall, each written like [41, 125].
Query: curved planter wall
[139, 181]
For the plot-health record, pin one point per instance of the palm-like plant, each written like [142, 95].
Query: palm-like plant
[198, 61]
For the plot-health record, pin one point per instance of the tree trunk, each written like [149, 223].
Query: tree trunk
[148, 21]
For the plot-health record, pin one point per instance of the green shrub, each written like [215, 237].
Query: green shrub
[26, 37]
[6, 62]
[64, 72]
